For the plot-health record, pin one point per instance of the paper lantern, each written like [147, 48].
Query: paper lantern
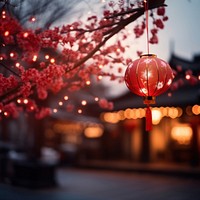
[149, 77]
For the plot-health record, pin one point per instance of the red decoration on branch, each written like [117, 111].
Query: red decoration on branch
[149, 77]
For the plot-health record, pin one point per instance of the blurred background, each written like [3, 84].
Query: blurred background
[52, 148]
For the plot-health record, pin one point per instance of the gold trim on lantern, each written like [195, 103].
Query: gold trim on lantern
[149, 100]
[148, 55]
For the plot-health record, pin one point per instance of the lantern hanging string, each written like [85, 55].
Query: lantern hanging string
[147, 23]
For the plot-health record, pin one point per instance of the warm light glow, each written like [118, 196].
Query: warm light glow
[34, 58]
[156, 116]
[96, 99]
[25, 35]
[6, 33]
[60, 103]
[19, 101]
[80, 111]
[83, 102]
[93, 132]
[25, 101]
[138, 113]
[100, 77]
[5, 113]
[66, 98]
[173, 112]
[110, 117]
[52, 60]
[187, 76]
[88, 82]
[46, 57]
[196, 109]
[182, 133]
[33, 19]
[55, 110]
[12, 54]
[17, 65]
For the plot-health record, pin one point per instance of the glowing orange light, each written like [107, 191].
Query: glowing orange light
[17, 65]
[12, 55]
[47, 57]
[19, 101]
[55, 110]
[25, 35]
[96, 99]
[100, 77]
[80, 111]
[25, 101]
[66, 98]
[60, 103]
[88, 82]
[33, 19]
[34, 58]
[6, 33]
[6, 114]
[83, 102]
[187, 76]
[118, 50]
[52, 60]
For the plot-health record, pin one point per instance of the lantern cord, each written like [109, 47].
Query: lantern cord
[147, 23]
[148, 118]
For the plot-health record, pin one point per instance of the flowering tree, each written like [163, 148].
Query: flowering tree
[36, 63]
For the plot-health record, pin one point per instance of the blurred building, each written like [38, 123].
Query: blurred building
[121, 135]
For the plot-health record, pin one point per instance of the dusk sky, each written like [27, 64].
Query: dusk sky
[182, 29]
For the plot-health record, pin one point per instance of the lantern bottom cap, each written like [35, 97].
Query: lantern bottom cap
[149, 100]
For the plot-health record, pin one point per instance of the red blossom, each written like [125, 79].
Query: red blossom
[105, 104]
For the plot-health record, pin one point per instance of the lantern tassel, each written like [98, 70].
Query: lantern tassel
[148, 119]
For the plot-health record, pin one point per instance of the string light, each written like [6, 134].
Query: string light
[33, 19]
[25, 35]
[84, 102]
[55, 110]
[66, 98]
[100, 66]
[6, 33]
[96, 99]
[52, 60]
[34, 58]
[80, 111]
[188, 77]
[88, 82]
[12, 54]
[19, 101]
[60, 103]
[100, 77]
[17, 65]
[47, 57]
[25, 101]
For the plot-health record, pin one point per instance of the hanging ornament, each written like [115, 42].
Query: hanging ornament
[148, 76]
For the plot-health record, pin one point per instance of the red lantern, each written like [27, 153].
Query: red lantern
[149, 77]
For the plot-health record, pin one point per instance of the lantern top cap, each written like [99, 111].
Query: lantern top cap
[148, 55]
